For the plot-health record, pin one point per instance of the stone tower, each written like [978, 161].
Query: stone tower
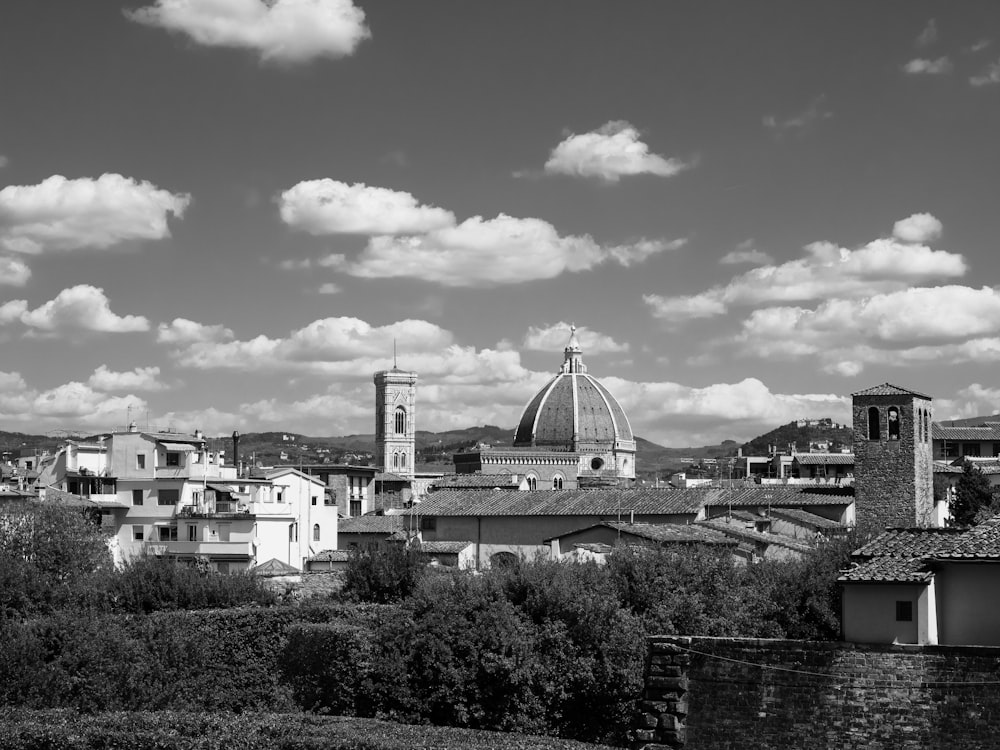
[893, 464]
[395, 419]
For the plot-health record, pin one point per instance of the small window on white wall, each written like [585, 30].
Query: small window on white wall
[315, 532]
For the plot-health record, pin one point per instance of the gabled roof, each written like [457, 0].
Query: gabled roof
[593, 502]
[444, 548]
[805, 517]
[275, 567]
[888, 389]
[777, 497]
[372, 524]
[476, 481]
[331, 555]
[764, 537]
[831, 459]
[983, 432]
[900, 556]
[388, 476]
[981, 542]
[285, 470]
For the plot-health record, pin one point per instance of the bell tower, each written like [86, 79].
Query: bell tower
[893, 462]
[395, 421]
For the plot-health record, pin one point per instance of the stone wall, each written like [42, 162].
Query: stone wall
[727, 693]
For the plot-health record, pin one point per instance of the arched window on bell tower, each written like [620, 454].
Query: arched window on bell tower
[892, 417]
[400, 420]
[874, 424]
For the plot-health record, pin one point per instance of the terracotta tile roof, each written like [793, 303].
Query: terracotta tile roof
[776, 496]
[476, 481]
[673, 533]
[888, 389]
[888, 570]
[388, 476]
[599, 502]
[331, 555]
[985, 432]
[804, 516]
[900, 555]
[372, 524]
[980, 542]
[764, 537]
[443, 548]
[832, 459]
[275, 567]
[940, 468]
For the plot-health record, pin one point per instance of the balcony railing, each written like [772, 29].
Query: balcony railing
[209, 549]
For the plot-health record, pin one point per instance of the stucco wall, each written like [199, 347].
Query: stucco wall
[733, 694]
[969, 603]
[870, 613]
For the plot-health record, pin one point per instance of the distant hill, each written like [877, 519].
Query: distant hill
[839, 436]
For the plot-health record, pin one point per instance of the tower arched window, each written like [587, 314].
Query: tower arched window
[927, 422]
[557, 482]
[402, 460]
[315, 532]
[532, 482]
[892, 417]
[395, 460]
[400, 420]
[874, 425]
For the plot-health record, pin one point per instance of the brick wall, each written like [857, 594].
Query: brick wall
[709, 694]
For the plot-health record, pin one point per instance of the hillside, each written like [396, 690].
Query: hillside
[839, 436]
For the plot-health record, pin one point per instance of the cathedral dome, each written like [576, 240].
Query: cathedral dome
[575, 412]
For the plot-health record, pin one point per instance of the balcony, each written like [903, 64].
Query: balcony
[220, 509]
[209, 549]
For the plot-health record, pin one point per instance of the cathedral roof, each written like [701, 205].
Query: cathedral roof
[573, 409]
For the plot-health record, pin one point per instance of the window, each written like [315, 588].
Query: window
[400, 420]
[314, 499]
[996, 449]
[315, 532]
[328, 499]
[140, 461]
[137, 533]
[192, 532]
[892, 415]
[136, 497]
[395, 460]
[168, 497]
[428, 523]
[557, 482]
[951, 450]
[173, 459]
[402, 460]
[293, 532]
[904, 611]
[280, 498]
[927, 430]
[532, 482]
[970, 449]
[355, 508]
[167, 533]
[874, 424]
[597, 464]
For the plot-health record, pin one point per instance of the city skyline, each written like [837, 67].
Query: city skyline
[223, 213]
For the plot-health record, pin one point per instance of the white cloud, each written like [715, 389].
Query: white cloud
[917, 228]
[609, 153]
[826, 271]
[82, 307]
[813, 113]
[488, 252]
[63, 214]
[928, 35]
[555, 337]
[14, 271]
[139, 379]
[286, 31]
[69, 406]
[330, 207]
[980, 45]
[184, 331]
[329, 288]
[988, 77]
[4, 161]
[745, 252]
[923, 66]
[926, 324]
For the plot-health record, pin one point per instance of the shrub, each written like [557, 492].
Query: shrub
[384, 575]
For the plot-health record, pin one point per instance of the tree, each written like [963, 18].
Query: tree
[973, 499]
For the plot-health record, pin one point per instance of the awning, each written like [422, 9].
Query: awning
[185, 447]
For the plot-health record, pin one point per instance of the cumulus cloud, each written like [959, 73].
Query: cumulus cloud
[815, 112]
[283, 31]
[923, 66]
[488, 252]
[555, 337]
[928, 35]
[14, 271]
[925, 324]
[746, 253]
[827, 270]
[980, 45]
[329, 288]
[917, 228]
[63, 214]
[609, 153]
[988, 76]
[82, 307]
[72, 405]
[330, 207]
[184, 331]
[139, 379]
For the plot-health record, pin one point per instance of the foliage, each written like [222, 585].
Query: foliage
[972, 501]
[170, 730]
[384, 575]
[149, 583]
[51, 556]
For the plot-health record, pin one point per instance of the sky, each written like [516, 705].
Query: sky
[225, 214]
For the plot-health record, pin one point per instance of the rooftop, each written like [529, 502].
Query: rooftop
[832, 459]
[476, 481]
[888, 389]
[983, 432]
[372, 524]
[604, 501]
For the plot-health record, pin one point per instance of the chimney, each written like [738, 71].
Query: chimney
[236, 451]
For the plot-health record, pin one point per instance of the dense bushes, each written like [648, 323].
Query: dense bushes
[383, 576]
[168, 730]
